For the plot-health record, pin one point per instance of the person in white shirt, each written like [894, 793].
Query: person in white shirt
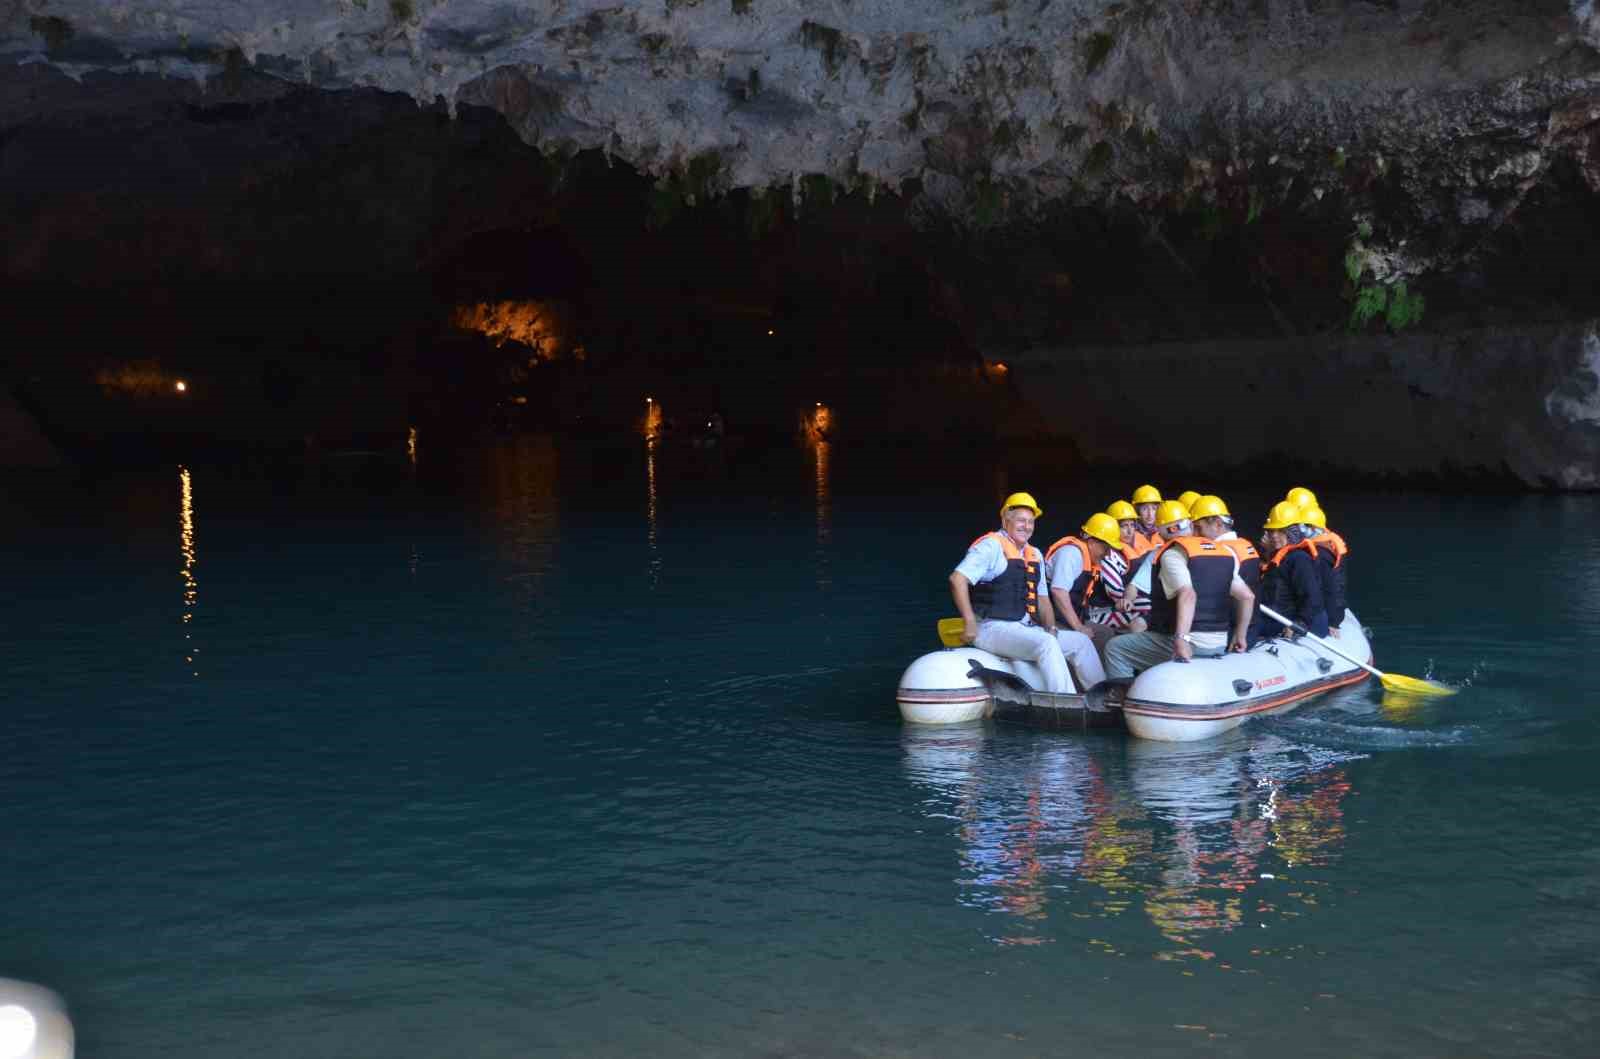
[1196, 597]
[1002, 592]
[1074, 566]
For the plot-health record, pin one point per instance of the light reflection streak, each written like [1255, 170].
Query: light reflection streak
[186, 545]
[411, 447]
[1193, 838]
[650, 512]
[824, 514]
[524, 475]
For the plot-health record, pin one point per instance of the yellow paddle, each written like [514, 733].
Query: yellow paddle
[950, 630]
[1391, 681]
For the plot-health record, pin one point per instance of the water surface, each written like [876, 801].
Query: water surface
[554, 749]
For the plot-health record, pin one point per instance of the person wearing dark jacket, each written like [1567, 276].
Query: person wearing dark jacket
[1331, 555]
[1291, 582]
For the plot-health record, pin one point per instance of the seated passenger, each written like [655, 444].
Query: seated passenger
[1290, 581]
[1073, 565]
[1301, 497]
[1196, 598]
[1331, 555]
[1104, 607]
[1003, 596]
[1131, 601]
[1146, 499]
[1213, 520]
[1134, 542]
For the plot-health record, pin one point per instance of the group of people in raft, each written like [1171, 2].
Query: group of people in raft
[1147, 581]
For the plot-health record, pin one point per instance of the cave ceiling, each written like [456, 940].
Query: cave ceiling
[1427, 125]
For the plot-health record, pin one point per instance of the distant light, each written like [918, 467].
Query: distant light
[819, 404]
[18, 1031]
[181, 386]
[649, 400]
[770, 331]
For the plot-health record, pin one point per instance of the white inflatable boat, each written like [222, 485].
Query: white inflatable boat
[1178, 702]
[1174, 701]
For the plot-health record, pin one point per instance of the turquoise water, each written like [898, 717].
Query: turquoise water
[557, 750]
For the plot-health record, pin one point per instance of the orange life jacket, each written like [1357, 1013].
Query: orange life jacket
[1249, 560]
[1080, 589]
[1277, 556]
[1211, 566]
[1334, 543]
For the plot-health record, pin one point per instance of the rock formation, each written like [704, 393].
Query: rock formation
[1456, 109]
[1079, 172]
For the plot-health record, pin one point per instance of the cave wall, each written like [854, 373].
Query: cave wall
[1514, 405]
[292, 197]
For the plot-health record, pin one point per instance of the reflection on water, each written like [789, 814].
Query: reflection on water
[1200, 839]
[822, 452]
[651, 539]
[191, 587]
[524, 475]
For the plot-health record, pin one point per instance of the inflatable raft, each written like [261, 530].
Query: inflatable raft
[1172, 702]
[1178, 702]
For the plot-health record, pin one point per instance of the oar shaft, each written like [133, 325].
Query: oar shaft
[1302, 630]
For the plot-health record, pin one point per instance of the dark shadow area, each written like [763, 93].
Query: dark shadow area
[282, 272]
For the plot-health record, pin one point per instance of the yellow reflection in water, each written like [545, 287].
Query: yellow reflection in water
[1407, 708]
[650, 511]
[524, 476]
[1116, 844]
[411, 447]
[1309, 830]
[824, 513]
[191, 587]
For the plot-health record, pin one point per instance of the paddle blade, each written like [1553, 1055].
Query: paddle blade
[1413, 686]
[950, 630]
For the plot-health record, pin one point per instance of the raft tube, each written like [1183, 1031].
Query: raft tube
[1179, 702]
[939, 688]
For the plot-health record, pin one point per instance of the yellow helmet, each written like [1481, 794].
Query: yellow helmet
[1188, 498]
[1147, 494]
[1020, 500]
[1103, 527]
[1171, 511]
[1209, 506]
[1283, 515]
[1314, 516]
[1121, 510]
[1300, 496]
